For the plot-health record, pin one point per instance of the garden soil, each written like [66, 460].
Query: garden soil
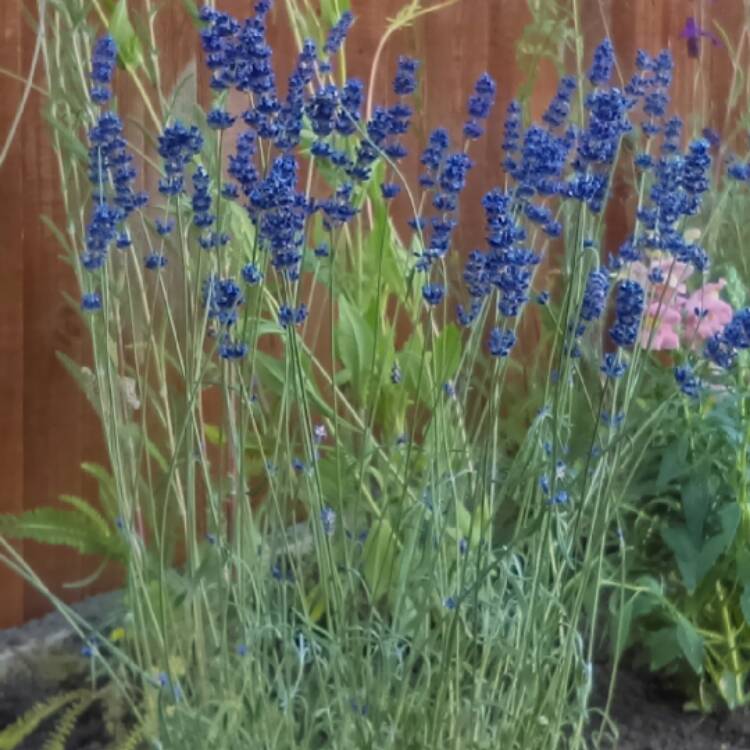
[651, 717]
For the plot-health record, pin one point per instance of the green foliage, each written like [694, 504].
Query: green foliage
[64, 728]
[689, 522]
[81, 529]
[74, 702]
[549, 35]
[128, 44]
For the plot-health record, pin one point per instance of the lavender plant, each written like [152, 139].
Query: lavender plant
[329, 539]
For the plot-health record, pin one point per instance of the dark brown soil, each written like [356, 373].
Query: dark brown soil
[651, 717]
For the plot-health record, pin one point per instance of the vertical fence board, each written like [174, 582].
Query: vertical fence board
[11, 305]
[54, 412]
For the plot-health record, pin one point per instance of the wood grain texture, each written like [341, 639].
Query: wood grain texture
[46, 427]
[11, 305]
[54, 415]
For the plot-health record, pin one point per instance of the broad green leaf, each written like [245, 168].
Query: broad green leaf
[354, 343]
[742, 561]
[122, 31]
[728, 685]
[380, 558]
[331, 10]
[447, 353]
[192, 8]
[663, 647]
[410, 361]
[395, 266]
[271, 372]
[620, 623]
[745, 603]
[691, 644]
[695, 506]
[317, 603]
[674, 463]
[695, 560]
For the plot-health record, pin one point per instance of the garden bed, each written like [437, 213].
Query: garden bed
[650, 716]
[43, 659]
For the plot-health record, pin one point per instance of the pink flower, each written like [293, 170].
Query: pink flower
[706, 313]
[661, 327]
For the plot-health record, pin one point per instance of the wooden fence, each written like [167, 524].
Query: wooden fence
[46, 426]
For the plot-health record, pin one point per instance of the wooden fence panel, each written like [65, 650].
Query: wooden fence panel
[46, 426]
[11, 305]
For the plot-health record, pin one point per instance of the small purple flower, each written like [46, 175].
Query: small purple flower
[155, 261]
[164, 228]
[252, 274]
[712, 136]
[229, 349]
[560, 498]
[501, 342]
[692, 33]
[219, 119]
[689, 384]
[320, 433]
[390, 190]
[612, 367]
[91, 302]
[544, 484]
[433, 293]
[289, 316]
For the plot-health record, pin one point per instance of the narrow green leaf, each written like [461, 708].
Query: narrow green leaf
[85, 379]
[89, 511]
[64, 528]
